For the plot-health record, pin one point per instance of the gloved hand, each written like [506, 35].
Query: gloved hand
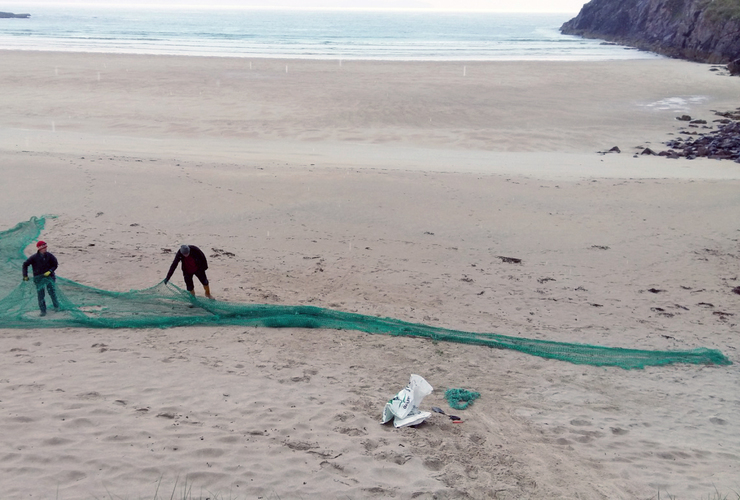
[47, 273]
[25, 278]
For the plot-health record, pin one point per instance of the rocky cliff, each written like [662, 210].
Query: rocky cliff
[697, 30]
[10, 14]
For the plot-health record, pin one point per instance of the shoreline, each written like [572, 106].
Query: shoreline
[325, 34]
[351, 59]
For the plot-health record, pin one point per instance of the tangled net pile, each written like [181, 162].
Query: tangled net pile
[164, 306]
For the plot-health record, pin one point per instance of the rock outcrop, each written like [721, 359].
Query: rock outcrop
[698, 30]
[720, 144]
[10, 14]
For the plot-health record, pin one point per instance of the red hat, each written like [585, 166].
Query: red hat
[41, 244]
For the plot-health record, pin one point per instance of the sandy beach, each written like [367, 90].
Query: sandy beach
[388, 189]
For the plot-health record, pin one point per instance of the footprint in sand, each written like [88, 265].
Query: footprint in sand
[393, 457]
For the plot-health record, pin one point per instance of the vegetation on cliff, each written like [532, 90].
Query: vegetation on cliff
[723, 10]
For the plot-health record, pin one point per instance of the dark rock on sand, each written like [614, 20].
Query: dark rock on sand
[720, 144]
[734, 67]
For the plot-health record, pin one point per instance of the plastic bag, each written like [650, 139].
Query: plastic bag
[403, 409]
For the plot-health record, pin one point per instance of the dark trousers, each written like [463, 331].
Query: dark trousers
[48, 283]
[201, 275]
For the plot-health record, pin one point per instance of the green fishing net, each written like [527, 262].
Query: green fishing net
[460, 399]
[164, 306]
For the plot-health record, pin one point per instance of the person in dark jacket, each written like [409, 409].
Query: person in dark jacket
[194, 263]
[43, 264]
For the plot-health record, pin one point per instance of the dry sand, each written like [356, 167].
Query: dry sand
[389, 189]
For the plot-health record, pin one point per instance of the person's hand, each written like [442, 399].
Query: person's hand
[47, 273]
[25, 278]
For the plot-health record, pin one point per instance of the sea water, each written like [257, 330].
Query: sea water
[373, 35]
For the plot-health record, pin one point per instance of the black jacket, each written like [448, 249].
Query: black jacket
[195, 253]
[40, 263]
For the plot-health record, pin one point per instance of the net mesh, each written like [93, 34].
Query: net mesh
[460, 399]
[164, 306]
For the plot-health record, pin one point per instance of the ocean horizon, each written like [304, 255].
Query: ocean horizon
[306, 34]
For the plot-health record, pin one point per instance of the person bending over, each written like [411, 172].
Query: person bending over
[194, 263]
[43, 264]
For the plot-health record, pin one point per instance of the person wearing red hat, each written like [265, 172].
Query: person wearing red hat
[43, 264]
